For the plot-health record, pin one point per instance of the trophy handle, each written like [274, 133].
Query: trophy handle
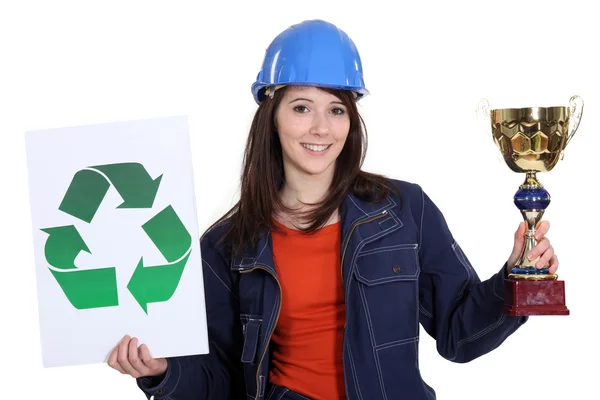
[576, 112]
[483, 108]
[483, 113]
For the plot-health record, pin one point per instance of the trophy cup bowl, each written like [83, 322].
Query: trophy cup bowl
[533, 140]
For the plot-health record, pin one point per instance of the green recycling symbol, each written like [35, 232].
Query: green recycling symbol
[94, 288]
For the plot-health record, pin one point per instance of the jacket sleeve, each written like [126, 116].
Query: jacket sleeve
[217, 375]
[462, 313]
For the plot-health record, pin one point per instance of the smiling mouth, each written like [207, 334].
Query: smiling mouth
[316, 147]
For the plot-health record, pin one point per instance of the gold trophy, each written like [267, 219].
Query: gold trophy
[533, 140]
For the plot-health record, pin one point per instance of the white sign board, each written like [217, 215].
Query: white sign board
[116, 240]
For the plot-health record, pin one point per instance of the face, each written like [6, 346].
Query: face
[313, 126]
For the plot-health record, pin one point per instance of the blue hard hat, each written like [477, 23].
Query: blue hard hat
[312, 53]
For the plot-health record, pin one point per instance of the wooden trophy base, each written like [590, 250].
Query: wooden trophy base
[534, 297]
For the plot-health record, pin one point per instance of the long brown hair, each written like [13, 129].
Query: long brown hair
[263, 176]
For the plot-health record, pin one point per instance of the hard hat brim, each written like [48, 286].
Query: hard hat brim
[259, 88]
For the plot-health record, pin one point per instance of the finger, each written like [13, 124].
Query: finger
[134, 359]
[542, 229]
[545, 258]
[520, 232]
[553, 264]
[519, 239]
[158, 366]
[112, 360]
[123, 357]
[538, 250]
[146, 358]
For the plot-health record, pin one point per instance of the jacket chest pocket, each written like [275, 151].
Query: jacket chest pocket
[387, 280]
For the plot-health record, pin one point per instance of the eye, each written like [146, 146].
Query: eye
[338, 111]
[301, 109]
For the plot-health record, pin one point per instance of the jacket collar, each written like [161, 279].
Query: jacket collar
[352, 211]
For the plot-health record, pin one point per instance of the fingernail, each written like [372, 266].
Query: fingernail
[530, 256]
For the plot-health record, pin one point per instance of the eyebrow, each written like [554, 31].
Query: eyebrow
[310, 101]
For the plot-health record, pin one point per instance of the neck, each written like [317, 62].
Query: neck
[309, 190]
[303, 188]
[300, 187]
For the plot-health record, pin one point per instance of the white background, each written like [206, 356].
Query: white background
[115, 239]
[427, 64]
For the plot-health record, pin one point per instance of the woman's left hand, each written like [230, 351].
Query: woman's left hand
[543, 250]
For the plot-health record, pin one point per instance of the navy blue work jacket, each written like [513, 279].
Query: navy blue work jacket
[400, 267]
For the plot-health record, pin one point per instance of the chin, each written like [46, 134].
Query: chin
[316, 170]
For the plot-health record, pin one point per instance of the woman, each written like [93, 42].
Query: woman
[317, 279]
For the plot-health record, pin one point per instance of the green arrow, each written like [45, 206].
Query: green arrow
[89, 186]
[63, 245]
[158, 283]
[89, 288]
[133, 183]
[168, 234]
[84, 288]
[85, 193]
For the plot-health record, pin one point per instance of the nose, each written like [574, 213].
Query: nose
[320, 124]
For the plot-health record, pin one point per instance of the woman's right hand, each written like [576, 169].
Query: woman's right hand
[128, 359]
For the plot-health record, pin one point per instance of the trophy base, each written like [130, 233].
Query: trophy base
[524, 297]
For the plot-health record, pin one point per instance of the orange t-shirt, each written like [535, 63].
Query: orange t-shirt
[307, 342]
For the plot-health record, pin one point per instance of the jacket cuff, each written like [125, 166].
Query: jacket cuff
[160, 388]
[498, 288]
[498, 283]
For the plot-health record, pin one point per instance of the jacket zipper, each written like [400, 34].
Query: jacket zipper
[262, 357]
[383, 213]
